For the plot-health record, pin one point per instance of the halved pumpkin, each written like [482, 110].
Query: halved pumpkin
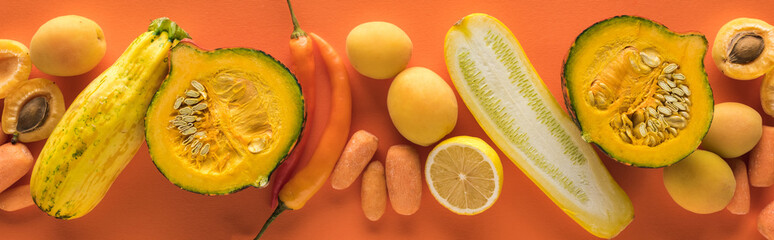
[224, 119]
[638, 90]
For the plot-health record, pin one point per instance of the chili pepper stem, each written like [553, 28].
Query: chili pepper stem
[280, 208]
[297, 31]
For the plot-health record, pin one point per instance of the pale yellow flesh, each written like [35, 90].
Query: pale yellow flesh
[511, 103]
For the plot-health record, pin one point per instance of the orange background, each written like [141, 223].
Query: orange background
[143, 204]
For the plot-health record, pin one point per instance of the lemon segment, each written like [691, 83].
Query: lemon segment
[464, 174]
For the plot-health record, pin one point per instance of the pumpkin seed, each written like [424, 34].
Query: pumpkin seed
[192, 93]
[616, 122]
[659, 97]
[178, 123]
[199, 87]
[257, 145]
[650, 59]
[624, 138]
[185, 111]
[670, 98]
[672, 131]
[685, 90]
[194, 142]
[200, 134]
[196, 147]
[178, 102]
[670, 68]
[641, 130]
[189, 119]
[189, 131]
[671, 83]
[626, 121]
[680, 106]
[652, 111]
[200, 106]
[205, 149]
[638, 116]
[664, 86]
[191, 101]
[188, 140]
[677, 122]
[677, 91]
[678, 76]
[664, 110]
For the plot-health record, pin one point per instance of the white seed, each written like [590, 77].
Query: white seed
[189, 119]
[672, 107]
[687, 101]
[196, 147]
[678, 92]
[624, 138]
[192, 93]
[616, 123]
[194, 142]
[200, 134]
[678, 76]
[670, 68]
[205, 149]
[652, 111]
[664, 86]
[672, 131]
[257, 145]
[191, 101]
[200, 106]
[178, 102]
[199, 87]
[641, 130]
[185, 111]
[659, 97]
[680, 106]
[188, 139]
[664, 110]
[178, 123]
[650, 59]
[183, 128]
[669, 98]
[677, 122]
[189, 131]
[670, 83]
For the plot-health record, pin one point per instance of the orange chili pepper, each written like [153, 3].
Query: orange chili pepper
[302, 51]
[309, 179]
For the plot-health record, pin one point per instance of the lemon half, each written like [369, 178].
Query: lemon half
[464, 174]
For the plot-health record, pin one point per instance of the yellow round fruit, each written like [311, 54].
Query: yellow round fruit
[734, 131]
[422, 106]
[67, 46]
[464, 174]
[378, 50]
[701, 183]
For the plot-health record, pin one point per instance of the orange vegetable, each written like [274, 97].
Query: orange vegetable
[766, 221]
[404, 179]
[15, 161]
[373, 191]
[358, 152]
[16, 198]
[761, 169]
[302, 51]
[740, 203]
[307, 181]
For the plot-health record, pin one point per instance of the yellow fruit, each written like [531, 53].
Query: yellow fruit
[464, 174]
[734, 131]
[67, 46]
[701, 183]
[422, 106]
[378, 50]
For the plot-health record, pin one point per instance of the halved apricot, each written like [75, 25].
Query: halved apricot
[744, 48]
[32, 111]
[15, 65]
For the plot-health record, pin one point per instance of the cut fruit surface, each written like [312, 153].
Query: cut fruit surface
[513, 106]
[464, 174]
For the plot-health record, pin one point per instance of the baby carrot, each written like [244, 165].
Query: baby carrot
[309, 179]
[16, 198]
[404, 179]
[373, 191]
[358, 152]
[302, 52]
[761, 168]
[15, 161]
[740, 203]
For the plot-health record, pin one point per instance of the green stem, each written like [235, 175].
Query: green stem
[15, 138]
[297, 32]
[280, 208]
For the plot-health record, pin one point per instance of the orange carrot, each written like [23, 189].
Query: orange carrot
[15, 161]
[358, 152]
[404, 179]
[373, 191]
[761, 166]
[740, 203]
[16, 198]
[766, 221]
